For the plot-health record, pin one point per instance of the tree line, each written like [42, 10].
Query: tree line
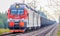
[3, 20]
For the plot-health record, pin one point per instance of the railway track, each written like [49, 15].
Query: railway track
[41, 32]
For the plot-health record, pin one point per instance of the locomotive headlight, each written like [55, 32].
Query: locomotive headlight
[17, 6]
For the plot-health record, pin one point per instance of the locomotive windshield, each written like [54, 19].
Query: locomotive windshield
[13, 12]
[19, 12]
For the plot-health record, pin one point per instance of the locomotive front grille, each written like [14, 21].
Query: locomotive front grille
[16, 26]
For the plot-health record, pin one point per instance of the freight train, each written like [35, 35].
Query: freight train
[21, 17]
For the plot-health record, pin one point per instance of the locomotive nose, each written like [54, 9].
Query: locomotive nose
[17, 16]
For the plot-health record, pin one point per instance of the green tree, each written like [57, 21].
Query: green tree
[3, 20]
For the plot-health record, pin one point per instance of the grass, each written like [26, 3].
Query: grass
[2, 31]
[59, 31]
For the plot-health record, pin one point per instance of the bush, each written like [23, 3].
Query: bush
[2, 31]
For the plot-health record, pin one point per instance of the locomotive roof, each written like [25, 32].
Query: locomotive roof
[39, 12]
[12, 6]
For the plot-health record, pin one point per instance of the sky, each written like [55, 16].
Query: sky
[5, 4]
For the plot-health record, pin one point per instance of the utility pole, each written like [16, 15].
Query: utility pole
[59, 19]
[33, 12]
[34, 4]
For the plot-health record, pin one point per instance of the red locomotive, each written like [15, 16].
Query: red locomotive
[21, 17]
[17, 14]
